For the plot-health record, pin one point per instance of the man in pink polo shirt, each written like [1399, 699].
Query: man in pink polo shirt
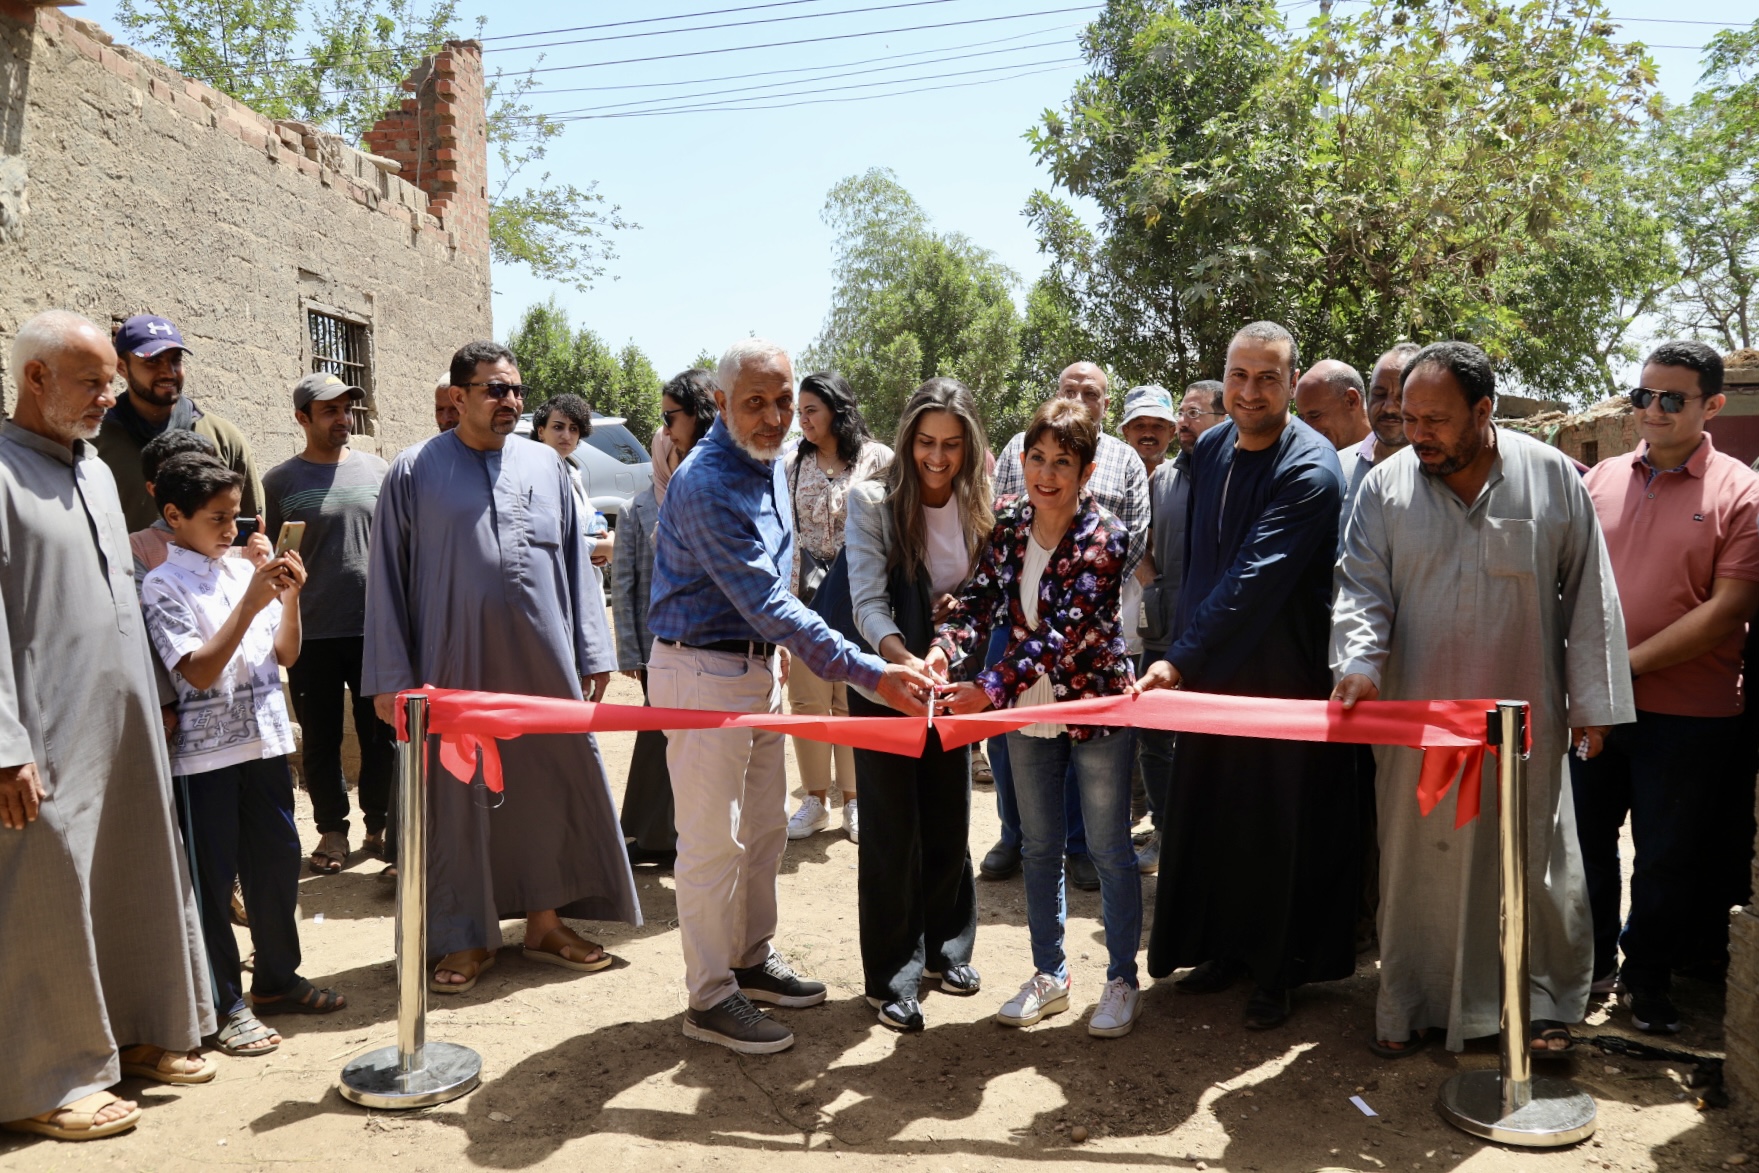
[1682, 526]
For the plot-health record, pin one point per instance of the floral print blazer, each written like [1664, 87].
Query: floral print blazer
[1079, 639]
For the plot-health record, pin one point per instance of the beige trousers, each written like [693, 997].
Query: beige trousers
[730, 794]
[820, 698]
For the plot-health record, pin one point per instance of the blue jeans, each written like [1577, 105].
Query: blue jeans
[1100, 770]
[1007, 808]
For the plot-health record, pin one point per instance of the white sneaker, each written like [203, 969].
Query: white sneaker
[1041, 996]
[852, 820]
[1116, 1012]
[811, 818]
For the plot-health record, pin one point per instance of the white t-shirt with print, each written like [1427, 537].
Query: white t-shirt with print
[242, 716]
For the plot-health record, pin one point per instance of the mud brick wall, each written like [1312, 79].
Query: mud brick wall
[126, 187]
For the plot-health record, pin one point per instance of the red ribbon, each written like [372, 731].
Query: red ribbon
[469, 723]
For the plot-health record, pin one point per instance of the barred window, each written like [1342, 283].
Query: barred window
[344, 348]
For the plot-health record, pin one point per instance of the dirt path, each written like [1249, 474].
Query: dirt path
[591, 1072]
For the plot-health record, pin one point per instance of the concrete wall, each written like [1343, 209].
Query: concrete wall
[126, 187]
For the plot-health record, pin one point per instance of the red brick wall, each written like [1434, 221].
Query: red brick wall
[440, 138]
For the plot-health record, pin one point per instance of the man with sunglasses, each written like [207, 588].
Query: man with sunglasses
[1682, 526]
[478, 579]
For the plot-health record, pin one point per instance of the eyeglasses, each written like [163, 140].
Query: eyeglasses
[501, 390]
[1672, 402]
[666, 416]
[1192, 414]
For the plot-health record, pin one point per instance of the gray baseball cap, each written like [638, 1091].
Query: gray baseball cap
[1150, 400]
[322, 385]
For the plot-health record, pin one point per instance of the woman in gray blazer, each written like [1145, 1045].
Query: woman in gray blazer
[910, 540]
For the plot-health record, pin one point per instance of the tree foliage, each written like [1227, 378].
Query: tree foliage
[1711, 153]
[340, 66]
[556, 358]
[909, 303]
[1418, 170]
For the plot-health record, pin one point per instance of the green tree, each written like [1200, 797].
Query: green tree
[345, 71]
[909, 303]
[1712, 158]
[1409, 171]
[556, 358]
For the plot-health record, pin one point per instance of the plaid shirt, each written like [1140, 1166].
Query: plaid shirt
[1120, 483]
[722, 556]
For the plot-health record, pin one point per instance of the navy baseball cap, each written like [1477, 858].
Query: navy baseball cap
[145, 335]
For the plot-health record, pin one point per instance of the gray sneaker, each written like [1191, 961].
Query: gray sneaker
[776, 982]
[736, 1024]
[1148, 855]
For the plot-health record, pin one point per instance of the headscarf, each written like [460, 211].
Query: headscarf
[666, 462]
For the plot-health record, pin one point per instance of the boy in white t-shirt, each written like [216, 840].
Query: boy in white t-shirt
[224, 628]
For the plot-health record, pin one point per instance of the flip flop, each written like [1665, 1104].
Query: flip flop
[468, 964]
[1419, 1039]
[241, 1030]
[159, 1072]
[75, 1124]
[301, 998]
[549, 951]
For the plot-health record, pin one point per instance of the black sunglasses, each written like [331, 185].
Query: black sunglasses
[501, 390]
[1672, 402]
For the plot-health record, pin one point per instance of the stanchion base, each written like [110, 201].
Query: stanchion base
[447, 1071]
[1558, 1115]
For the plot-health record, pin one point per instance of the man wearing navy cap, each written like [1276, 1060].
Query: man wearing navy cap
[149, 358]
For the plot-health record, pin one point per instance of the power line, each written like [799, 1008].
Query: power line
[809, 102]
[617, 24]
[691, 81]
[693, 100]
[810, 40]
[731, 24]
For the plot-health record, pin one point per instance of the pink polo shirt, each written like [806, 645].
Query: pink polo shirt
[1671, 534]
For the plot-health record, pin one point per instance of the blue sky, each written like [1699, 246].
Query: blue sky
[728, 202]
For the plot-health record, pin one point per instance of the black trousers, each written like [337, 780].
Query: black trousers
[917, 895]
[1672, 775]
[324, 668]
[238, 821]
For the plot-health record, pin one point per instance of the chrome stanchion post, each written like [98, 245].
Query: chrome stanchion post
[1510, 1105]
[415, 1073]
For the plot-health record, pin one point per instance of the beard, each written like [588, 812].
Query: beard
[150, 394]
[1453, 459]
[750, 445]
[68, 423]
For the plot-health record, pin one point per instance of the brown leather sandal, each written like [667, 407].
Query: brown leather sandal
[553, 950]
[468, 964]
[78, 1120]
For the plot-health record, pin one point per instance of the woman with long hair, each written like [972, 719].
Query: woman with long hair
[835, 451]
[1051, 577]
[912, 538]
[687, 409]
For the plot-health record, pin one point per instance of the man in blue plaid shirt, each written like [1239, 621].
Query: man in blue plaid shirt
[1120, 485]
[721, 611]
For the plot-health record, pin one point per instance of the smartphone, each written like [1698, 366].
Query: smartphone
[292, 533]
[246, 527]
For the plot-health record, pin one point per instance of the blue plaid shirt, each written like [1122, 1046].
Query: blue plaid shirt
[723, 553]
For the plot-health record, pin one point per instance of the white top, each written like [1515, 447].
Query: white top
[241, 717]
[948, 559]
[1041, 692]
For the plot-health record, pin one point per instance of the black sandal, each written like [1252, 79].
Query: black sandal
[1419, 1039]
[301, 998]
[1539, 1037]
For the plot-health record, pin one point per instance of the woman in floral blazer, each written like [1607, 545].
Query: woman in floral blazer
[1052, 572]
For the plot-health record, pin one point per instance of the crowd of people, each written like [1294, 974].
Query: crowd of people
[1280, 532]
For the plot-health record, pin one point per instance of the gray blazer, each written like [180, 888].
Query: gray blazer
[1169, 493]
[632, 577]
[867, 540]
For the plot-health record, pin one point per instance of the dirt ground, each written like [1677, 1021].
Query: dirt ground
[591, 1071]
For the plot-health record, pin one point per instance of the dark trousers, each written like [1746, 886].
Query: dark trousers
[238, 821]
[917, 896]
[1668, 774]
[1154, 753]
[1007, 804]
[324, 668]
